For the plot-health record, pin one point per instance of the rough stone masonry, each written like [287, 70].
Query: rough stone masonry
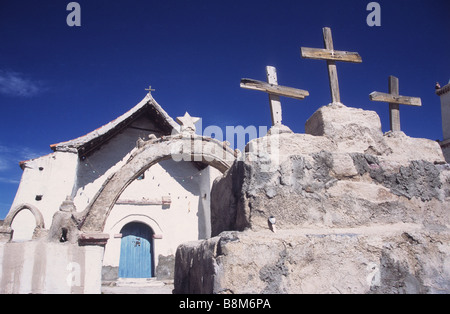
[357, 211]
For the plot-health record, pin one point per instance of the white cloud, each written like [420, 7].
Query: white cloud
[26, 153]
[3, 164]
[9, 181]
[5, 158]
[17, 84]
[10, 156]
[4, 149]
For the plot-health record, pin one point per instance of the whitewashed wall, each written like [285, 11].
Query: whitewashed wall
[93, 170]
[187, 218]
[60, 174]
[41, 268]
[52, 177]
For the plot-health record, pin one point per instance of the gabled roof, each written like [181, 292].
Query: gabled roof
[89, 142]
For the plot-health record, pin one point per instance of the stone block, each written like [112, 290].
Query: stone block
[353, 130]
[328, 189]
[165, 268]
[356, 212]
[398, 258]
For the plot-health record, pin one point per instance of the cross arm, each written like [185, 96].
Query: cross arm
[274, 89]
[395, 99]
[334, 55]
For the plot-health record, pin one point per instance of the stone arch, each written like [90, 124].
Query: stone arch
[186, 147]
[39, 220]
[33, 209]
[146, 219]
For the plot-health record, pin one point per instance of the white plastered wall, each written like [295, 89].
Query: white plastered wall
[95, 168]
[45, 183]
[60, 174]
[187, 218]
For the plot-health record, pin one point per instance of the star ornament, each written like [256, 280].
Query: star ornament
[187, 122]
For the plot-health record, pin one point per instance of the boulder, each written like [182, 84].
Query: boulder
[345, 197]
[345, 174]
[352, 129]
[397, 258]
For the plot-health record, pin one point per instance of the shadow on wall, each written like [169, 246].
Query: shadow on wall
[195, 179]
[95, 165]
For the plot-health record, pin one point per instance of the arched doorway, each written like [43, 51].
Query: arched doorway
[136, 251]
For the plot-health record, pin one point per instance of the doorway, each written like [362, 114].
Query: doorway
[136, 251]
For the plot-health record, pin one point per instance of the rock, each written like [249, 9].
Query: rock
[356, 212]
[65, 222]
[354, 130]
[165, 268]
[405, 148]
[195, 268]
[328, 178]
[279, 129]
[384, 259]
[325, 189]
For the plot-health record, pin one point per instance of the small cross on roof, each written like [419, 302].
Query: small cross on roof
[150, 90]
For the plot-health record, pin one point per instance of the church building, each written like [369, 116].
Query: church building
[162, 206]
[444, 94]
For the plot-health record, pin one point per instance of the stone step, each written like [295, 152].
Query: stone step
[139, 282]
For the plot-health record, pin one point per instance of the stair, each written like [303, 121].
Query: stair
[139, 282]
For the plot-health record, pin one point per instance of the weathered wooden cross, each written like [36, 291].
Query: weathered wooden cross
[275, 91]
[394, 101]
[331, 56]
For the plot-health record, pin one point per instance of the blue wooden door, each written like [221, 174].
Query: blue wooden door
[136, 251]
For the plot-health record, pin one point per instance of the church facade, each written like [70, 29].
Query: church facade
[162, 204]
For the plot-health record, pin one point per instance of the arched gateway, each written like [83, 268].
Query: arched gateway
[181, 147]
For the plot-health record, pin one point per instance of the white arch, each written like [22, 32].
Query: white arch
[192, 147]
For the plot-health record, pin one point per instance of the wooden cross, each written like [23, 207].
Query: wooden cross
[275, 91]
[394, 101]
[331, 56]
[150, 90]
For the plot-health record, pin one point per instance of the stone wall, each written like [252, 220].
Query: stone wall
[397, 259]
[347, 174]
[346, 198]
[446, 149]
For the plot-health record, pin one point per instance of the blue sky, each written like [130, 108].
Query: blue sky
[59, 82]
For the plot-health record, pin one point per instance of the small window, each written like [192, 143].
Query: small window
[38, 197]
[141, 177]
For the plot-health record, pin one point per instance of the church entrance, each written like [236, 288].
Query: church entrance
[136, 251]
